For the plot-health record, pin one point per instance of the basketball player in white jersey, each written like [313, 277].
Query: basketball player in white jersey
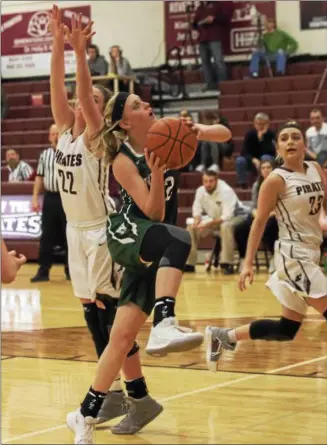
[83, 183]
[296, 192]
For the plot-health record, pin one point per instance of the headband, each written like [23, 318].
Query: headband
[290, 124]
[117, 112]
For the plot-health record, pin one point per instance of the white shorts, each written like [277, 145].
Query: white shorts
[90, 265]
[298, 275]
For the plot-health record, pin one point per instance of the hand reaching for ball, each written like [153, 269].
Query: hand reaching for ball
[213, 133]
[153, 162]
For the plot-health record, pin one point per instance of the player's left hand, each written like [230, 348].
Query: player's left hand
[79, 37]
[153, 162]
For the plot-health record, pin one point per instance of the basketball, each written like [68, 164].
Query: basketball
[172, 141]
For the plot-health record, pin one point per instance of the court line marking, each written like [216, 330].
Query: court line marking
[185, 394]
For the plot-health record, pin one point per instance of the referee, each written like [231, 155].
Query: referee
[53, 215]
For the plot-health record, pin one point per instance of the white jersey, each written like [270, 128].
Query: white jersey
[83, 183]
[298, 208]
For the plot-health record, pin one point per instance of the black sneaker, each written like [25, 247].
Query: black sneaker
[229, 270]
[40, 277]
[67, 275]
[189, 268]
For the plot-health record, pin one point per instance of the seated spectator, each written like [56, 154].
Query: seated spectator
[18, 170]
[4, 104]
[276, 46]
[97, 63]
[216, 209]
[259, 145]
[185, 116]
[316, 137]
[119, 64]
[214, 152]
[242, 230]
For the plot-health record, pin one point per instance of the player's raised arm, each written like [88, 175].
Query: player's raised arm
[150, 201]
[213, 133]
[270, 190]
[78, 39]
[62, 112]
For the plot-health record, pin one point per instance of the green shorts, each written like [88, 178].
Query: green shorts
[139, 289]
[125, 236]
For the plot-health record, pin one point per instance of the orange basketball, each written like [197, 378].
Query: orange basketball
[172, 141]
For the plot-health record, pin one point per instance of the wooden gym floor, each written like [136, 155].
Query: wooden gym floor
[265, 393]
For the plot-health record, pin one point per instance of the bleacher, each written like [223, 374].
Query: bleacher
[290, 97]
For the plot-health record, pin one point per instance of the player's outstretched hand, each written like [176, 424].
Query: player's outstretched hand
[247, 273]
[153, 162]
[78, 37]
[213, 133]
[56, 26]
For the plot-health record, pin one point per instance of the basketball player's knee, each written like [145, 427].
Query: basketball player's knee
[271, 330]
[122, 338]
[178, 249]
[134, 350]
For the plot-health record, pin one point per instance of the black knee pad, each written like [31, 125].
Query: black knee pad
[106, 316]
[178, 249]
[271, 330]
[134, 350]
[94, 325]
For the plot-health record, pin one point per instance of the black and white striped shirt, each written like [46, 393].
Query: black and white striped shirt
[21, 173]
[46, 168]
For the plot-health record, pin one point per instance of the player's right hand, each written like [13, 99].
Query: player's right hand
[153, 162]
[78, 37]
[247, 273]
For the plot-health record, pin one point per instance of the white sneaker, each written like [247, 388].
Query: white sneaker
[167, 337]
[200, 168]
[83, 427]
[214, 168]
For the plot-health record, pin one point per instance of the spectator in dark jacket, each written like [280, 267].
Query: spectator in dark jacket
[97, 63]
[259, 145]
[212, 20]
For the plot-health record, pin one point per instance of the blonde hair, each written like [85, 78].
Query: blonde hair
[109, 138]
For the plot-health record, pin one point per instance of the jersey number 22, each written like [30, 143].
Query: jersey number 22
[67, 179]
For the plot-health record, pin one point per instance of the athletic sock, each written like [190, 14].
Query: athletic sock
[92, 321]
[164, 308]
[116, 386]
[232, 336]
[137, 388]
[92, 403]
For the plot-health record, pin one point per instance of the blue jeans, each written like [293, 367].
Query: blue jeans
[280, 58]
[322, 157]
[244, 165]
[213, 73]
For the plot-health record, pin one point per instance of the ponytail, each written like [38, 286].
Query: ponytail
[109, 138]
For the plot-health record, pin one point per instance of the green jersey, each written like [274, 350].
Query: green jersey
[126, 231]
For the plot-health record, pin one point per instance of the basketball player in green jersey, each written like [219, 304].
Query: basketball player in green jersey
[153, 254]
